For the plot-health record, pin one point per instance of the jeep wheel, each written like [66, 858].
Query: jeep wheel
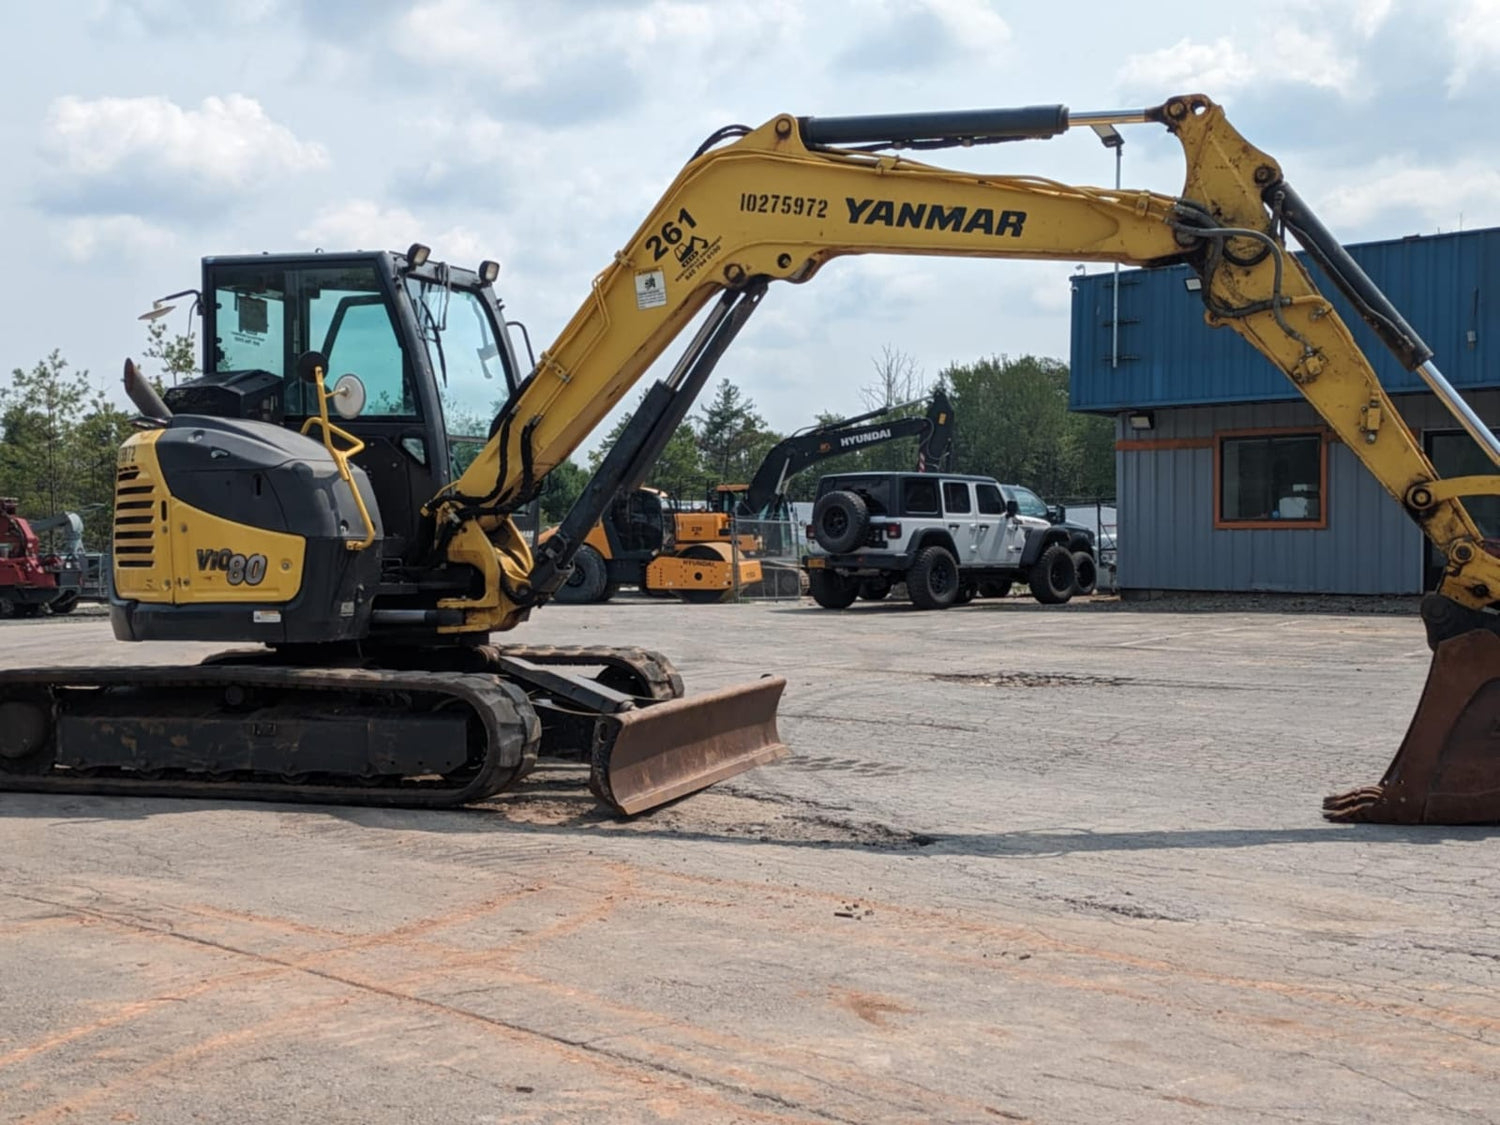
[1051, 577]
[840, 520]
[994, 589]
[1085, 574]
[933, 581]
[586, 581]
[874, 589]
[832, 590]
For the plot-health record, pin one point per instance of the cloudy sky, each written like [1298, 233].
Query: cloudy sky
[142, 134]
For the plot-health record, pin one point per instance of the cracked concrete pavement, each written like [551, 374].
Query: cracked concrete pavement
[1053, 865]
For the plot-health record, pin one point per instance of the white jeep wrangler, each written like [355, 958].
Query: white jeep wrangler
[949, 537]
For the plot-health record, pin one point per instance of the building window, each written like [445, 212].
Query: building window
[1275, 479]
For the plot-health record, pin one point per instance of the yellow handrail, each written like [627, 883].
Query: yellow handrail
[341, 459]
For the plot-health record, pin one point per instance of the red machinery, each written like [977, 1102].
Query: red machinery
[28, 579]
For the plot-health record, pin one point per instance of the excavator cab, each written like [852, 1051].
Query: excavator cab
[418, 363]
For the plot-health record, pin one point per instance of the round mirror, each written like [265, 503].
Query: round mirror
[348, 396]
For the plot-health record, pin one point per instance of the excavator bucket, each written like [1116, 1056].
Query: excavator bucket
[664, 751]
[1448, 768]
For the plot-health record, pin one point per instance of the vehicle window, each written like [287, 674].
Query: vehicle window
[249, 309]
[465, 354]
[1029, 503]
[956, 498]
[921, 498]
[991, 503]
[357, 336]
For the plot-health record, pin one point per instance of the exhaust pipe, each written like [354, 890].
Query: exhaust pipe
[144, 395]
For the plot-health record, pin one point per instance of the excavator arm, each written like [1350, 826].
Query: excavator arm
[781, 200]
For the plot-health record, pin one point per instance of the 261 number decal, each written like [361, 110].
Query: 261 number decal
[670, 235]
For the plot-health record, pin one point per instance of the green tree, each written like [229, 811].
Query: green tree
[678, 471]
[560, 490]
[1014, 424]
[732, 436]
[40, 411]
[175, 357]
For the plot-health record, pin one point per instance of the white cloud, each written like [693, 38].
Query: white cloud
[1188, 67]
[93, 236]
[1439, 194]
[973, 23]
[1474, 32]
[139, 145]
[362, 224]
[519, 48]
[1273, 53]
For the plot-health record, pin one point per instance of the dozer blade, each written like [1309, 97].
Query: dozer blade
[1448, 768]
[661, 752]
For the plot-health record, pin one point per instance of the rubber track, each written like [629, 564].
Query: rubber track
[511, 725]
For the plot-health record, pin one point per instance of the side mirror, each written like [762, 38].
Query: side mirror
[312, 366]
[1056, 513]
[348, 396]
[1012, 509]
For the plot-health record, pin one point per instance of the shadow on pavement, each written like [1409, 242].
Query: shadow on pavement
[562, 809]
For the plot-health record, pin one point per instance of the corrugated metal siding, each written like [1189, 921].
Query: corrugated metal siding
[1445, 285]
[1167, 539]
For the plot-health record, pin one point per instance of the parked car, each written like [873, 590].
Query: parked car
[948, 537]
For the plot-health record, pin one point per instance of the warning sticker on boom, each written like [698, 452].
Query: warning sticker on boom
[650, 289]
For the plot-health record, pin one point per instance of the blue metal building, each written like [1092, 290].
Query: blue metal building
[1227, 479]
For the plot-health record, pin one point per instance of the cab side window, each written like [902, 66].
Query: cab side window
[956, 498]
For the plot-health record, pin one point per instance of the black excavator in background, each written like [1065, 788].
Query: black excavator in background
[373, 573]
[735, 541]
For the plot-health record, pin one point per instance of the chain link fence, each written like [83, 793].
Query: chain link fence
[778, 546]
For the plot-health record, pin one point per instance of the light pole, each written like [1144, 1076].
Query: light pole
[1110, 137]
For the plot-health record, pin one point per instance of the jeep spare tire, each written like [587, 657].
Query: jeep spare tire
[1051, 577]
[840, 521]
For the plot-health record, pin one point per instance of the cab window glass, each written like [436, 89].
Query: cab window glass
[991, 503]
[266, 315]
[250, 314]
[956, 498]
[349, 323]
[465, 353]
[921, 497]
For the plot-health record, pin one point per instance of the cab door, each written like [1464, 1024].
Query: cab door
[958, 514]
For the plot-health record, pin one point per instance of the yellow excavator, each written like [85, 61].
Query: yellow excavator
[373, 572]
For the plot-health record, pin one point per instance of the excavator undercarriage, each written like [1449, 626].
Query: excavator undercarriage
[257, 726]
